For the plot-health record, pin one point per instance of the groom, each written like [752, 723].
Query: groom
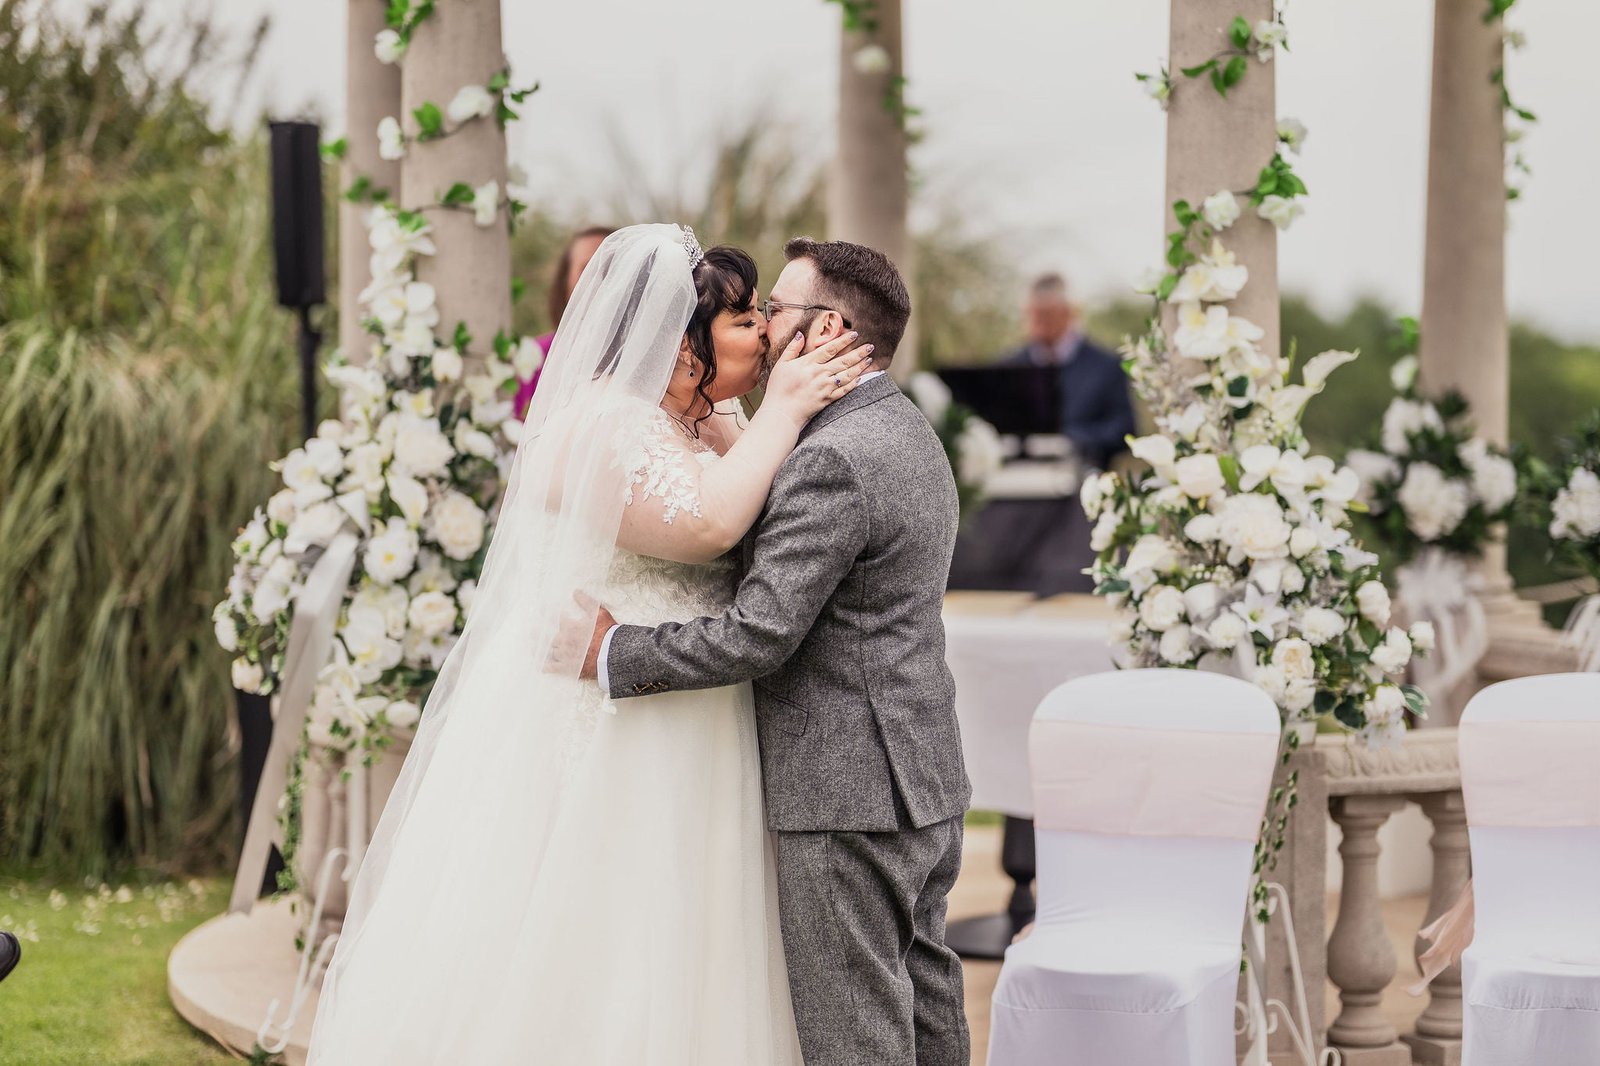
[837, 621]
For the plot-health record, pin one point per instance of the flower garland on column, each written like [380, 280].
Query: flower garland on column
[860, 17]
[415, 464]
[1516, 163]
[1234, 550]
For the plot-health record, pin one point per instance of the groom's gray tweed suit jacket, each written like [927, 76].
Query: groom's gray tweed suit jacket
[838, 623]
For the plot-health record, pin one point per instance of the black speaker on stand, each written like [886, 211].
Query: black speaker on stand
[297, 245]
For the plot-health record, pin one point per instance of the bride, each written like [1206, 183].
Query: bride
[552, 882]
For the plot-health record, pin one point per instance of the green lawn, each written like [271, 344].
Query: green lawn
[92, 986]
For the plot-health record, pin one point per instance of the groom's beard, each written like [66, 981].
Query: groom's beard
[770, 357]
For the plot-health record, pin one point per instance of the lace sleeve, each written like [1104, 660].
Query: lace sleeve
[666, 514]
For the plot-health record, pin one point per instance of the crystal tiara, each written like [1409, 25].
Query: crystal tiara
[691, 247]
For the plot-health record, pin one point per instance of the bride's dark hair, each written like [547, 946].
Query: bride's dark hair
[725, 280]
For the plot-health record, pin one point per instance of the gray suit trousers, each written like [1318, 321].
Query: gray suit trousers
[863, 915]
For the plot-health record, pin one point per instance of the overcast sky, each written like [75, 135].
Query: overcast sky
[1035, 126]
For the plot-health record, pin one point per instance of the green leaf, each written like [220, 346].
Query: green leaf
[501, 79]
[502, 113]
[1230, 470]
[518, 287]
[1183, 212]
[1219, 82]
[1168, 283]
[1195, 72]
[358, 189]
[462, 339]
[459, 193]
[335, 149]
[430, 121]
[395, 14]
[502, 344]
[1234, 72]
[1239, 32]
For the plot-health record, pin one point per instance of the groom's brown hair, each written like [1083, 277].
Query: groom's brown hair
[863, 286]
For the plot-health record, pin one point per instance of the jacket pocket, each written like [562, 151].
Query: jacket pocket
[781, 712]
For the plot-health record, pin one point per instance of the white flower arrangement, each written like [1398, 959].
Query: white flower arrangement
[1430, 483]
[1234, 551]
[1568, 498]
[415, 467]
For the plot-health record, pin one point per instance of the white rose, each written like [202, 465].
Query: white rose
[420, 449]
[280, 506]
[1200, 601]
[1203, 528]
[391, 602]
[1303, 541]
[1434, 504]
[432, 614]
[388, 46]
[247, 676]
[1372, 599]
[1151, 552]
[871, 59]
[446, 365]
[486, 203]
[1176, 645]
[273, 593]
[1253, 526]
[391, 555]
[1280, 211]
[1220, 209]
[314, 527]
[1576, 509]
[1160, 452]
[529, 357]
[1403, 374]
[1292, 132]
[410, 496]
[1494, 479]
[1094, 493]
[372, 651]
[1105, 531]
[476, 442]
[457, 526]
[391, 142]
[402, 714]
[1200, 476]
[1162, 609]
[1321, 624]
[1292, 581]
[1388, 703]
[465, 595]
[1422, 636]
[1293, 656]
[470, 102]
[1404, 419]
[300, 471]
[1271, 680]
[1392, 655]
[1227, 631]
[227, 631]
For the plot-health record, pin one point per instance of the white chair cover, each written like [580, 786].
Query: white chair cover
[1149, 787]
[1530, 773]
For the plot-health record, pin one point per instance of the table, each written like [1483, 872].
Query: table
[1007, 650]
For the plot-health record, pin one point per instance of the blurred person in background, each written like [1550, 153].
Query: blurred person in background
[580, 248]
[1096, 409]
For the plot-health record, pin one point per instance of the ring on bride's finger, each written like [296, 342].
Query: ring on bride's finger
[836, 380]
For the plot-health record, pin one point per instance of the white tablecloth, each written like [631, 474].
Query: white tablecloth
[1005, 658]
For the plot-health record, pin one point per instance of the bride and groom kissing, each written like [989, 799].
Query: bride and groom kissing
[711, 814]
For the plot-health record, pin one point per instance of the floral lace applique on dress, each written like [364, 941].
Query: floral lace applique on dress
[658, 468]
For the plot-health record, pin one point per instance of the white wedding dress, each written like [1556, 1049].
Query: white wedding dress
[645, 931]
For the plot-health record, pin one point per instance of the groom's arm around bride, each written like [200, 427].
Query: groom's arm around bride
[838, 623]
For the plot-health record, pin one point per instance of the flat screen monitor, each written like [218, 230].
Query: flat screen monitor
[1019, 400]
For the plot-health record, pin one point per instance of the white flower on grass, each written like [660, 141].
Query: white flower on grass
[1292, 132]
[391, 142]
[1372, 599]
[1267, 36]
[1217, 276]
[1200, 476]
[1177, 645]
[388, 46]
[402, 714]
[1252, 526]
[528, 357]
[1434, 504]
[1321, 624]
[420, 449]
[1279, 210]
[1576, 508]
[432, 613]
[470, 102]
[1405, 419]
[871, 59]
[1422, 636]
[457, 526]
[486, 203]
[1220, 209]
[247, 676]
[1162, 609]
[391, 554]
[1392, 655]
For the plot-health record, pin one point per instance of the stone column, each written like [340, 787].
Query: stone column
[869, 190]
[1360, 961]
[371, 92]
[1437, 1041]
[459, 44]
[1464, 342]
[1216, 143]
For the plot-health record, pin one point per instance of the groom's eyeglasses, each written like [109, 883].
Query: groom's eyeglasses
[771, 307]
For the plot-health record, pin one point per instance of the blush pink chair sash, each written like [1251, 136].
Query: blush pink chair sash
[1532, 774]
[1161, 782]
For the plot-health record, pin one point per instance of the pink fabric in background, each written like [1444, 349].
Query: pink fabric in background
[525, 391]
[1182, 783]
[1532, 774]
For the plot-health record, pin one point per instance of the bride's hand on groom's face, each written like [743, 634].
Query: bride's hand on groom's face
[580, 631]
[803, 383]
